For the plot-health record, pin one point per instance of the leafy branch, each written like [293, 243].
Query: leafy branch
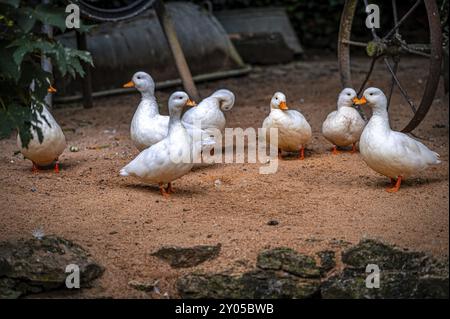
[22, 45]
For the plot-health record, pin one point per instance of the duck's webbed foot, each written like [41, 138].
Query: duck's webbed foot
[395, 185]
[35, 168]
[169, 189]
[301, 155]
[354, 150]
[334, 150]
[56, 166]
[163, 191]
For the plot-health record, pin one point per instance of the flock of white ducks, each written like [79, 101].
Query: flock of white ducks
[166, 142]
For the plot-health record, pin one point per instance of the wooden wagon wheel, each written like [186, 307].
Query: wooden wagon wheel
[390, 47]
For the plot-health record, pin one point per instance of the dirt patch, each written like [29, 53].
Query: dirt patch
[323, 202]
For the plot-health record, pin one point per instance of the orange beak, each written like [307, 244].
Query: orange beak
[51, 89]
[191, 103]
[283, 106]
[359, 101]
[129, 85]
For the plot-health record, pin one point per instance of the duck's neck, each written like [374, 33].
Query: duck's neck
[342, 104]
[148, 104]
[174, 120]
[380, 117]
[223, 99]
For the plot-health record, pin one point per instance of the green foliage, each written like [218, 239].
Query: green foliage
[22, 46]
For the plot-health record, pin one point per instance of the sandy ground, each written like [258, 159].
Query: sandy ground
[321, 202]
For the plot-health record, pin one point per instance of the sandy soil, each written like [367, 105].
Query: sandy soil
[321, 202]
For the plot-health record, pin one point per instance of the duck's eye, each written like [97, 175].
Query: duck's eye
[348, 94]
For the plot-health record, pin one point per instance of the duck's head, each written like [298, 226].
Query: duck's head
[373, 97]
[346, 97]
[177, 101]
[143, 82]
[226, 99]
[278, 101]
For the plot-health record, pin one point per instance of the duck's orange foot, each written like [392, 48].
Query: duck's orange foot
[334, 150]
[169, 189]
[354, 150]
[56, 166]
[395, 184]
[163, 191]
[35, 168]
[301, 155]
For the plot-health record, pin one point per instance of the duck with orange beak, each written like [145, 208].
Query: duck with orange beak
[148, 127]
[390, 153]
[294, 131]
[344, 126]
[170, 158]
[53, 143]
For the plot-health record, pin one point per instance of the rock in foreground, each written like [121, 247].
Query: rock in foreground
[180, 257]
[280, 273]
[403, 274]
[38, 265]
[285, 273]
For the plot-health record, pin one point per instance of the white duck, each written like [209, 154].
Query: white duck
[171, 157]
[294, 131]
[344, 126]
[209, 112]
[390, 153]
[148, 127]
[53, 143]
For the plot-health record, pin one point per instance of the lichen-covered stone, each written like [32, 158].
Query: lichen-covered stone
[38, 265]
[290, 261]
[327, 260]
[260, 284]
[403, 274]
[181, 257]
[370, 251]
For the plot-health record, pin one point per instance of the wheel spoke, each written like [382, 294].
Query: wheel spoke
[391, 90]
[399, 23]
[408, 49]
[397, 82]
[355, 43]
[374, 33]
[395, 14]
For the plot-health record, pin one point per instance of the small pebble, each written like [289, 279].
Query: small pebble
[74, 148]
[272, 222]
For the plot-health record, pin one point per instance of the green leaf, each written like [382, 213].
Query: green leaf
[12, 3]
[8, 67]
[26, 19]
[51, 15]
